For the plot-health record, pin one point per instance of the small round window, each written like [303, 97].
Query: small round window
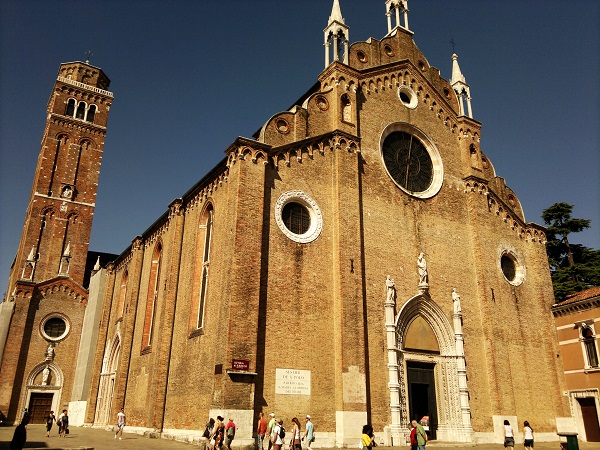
[298, 217]
[55, 327]
[408, 97]
[513, 271]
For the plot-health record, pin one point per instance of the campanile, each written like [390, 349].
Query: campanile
[43, 316]
[59, 215]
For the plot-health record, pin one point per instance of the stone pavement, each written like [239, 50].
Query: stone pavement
[101, 439]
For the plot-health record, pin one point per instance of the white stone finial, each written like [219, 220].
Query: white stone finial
[336, 13]
[31, 257]
[67, 252]
[97, 265]
[460, 86]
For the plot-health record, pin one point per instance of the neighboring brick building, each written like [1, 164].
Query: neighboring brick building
[576, 320]
[42, 317]
[269, 285]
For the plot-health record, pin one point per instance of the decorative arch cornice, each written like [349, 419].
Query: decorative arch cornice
[531, 232]
[56, 370]
[325, 143]
[422, 305]
[63, 285]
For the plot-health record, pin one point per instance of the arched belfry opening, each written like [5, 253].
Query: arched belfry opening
[430, 380]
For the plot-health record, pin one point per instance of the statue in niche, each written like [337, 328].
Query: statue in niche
[391, 290]
[45, 375]
[456, 299]
[50, 353]
[67, 192]
[422, 266]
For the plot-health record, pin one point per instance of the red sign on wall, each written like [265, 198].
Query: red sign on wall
[240, 364]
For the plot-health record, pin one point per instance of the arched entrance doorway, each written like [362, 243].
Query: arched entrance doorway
[43, 393]
[431, 379]
[107, 382]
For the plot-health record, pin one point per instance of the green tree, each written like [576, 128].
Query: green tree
[573, 266]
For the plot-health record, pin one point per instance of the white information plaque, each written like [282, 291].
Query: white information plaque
[292, 382]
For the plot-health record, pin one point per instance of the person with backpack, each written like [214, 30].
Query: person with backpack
[278, 434]
[229, 433]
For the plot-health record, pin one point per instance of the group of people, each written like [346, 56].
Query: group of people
[222, 434]
[509, 435]
[277, 434]
[62, 422]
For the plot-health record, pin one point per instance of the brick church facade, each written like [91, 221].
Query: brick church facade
[357, 260]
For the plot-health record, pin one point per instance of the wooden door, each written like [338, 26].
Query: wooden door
[590, 418]
[40, 405]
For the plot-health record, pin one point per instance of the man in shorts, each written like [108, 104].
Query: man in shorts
[261, 430]
[120, 424]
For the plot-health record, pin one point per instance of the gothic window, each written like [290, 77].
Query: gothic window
[151, 298]
[70, 107]
[91, 113]
[80, 111]
[589, 343]
[122, 294]
[202, 269]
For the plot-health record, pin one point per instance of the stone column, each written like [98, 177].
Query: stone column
[392, 349]
[462, 370]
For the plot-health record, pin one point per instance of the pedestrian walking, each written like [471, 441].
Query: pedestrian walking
[217, 433]
[278, 434]
[49, 422]
[413, 437]
[120, 423]
[63, 424]
[509, 436]
[270, 428]
[229, 433]
[527, 435]
[366, 441]
[421, 435]
[295, 440]
[309, 432]
[261, 430]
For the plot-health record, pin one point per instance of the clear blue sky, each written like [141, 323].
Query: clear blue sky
[191, 76]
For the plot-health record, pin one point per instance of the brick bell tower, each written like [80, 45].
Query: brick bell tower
[58, 220]
[42, 316]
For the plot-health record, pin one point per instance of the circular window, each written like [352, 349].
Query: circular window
[388, 50]
[513, 271]
[408, 97]
[298, 217]
[282, 126]
[322, 103]
[411, 160]
[362, 57]
[55, 327]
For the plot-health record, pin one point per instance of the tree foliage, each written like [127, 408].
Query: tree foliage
[573, 266]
